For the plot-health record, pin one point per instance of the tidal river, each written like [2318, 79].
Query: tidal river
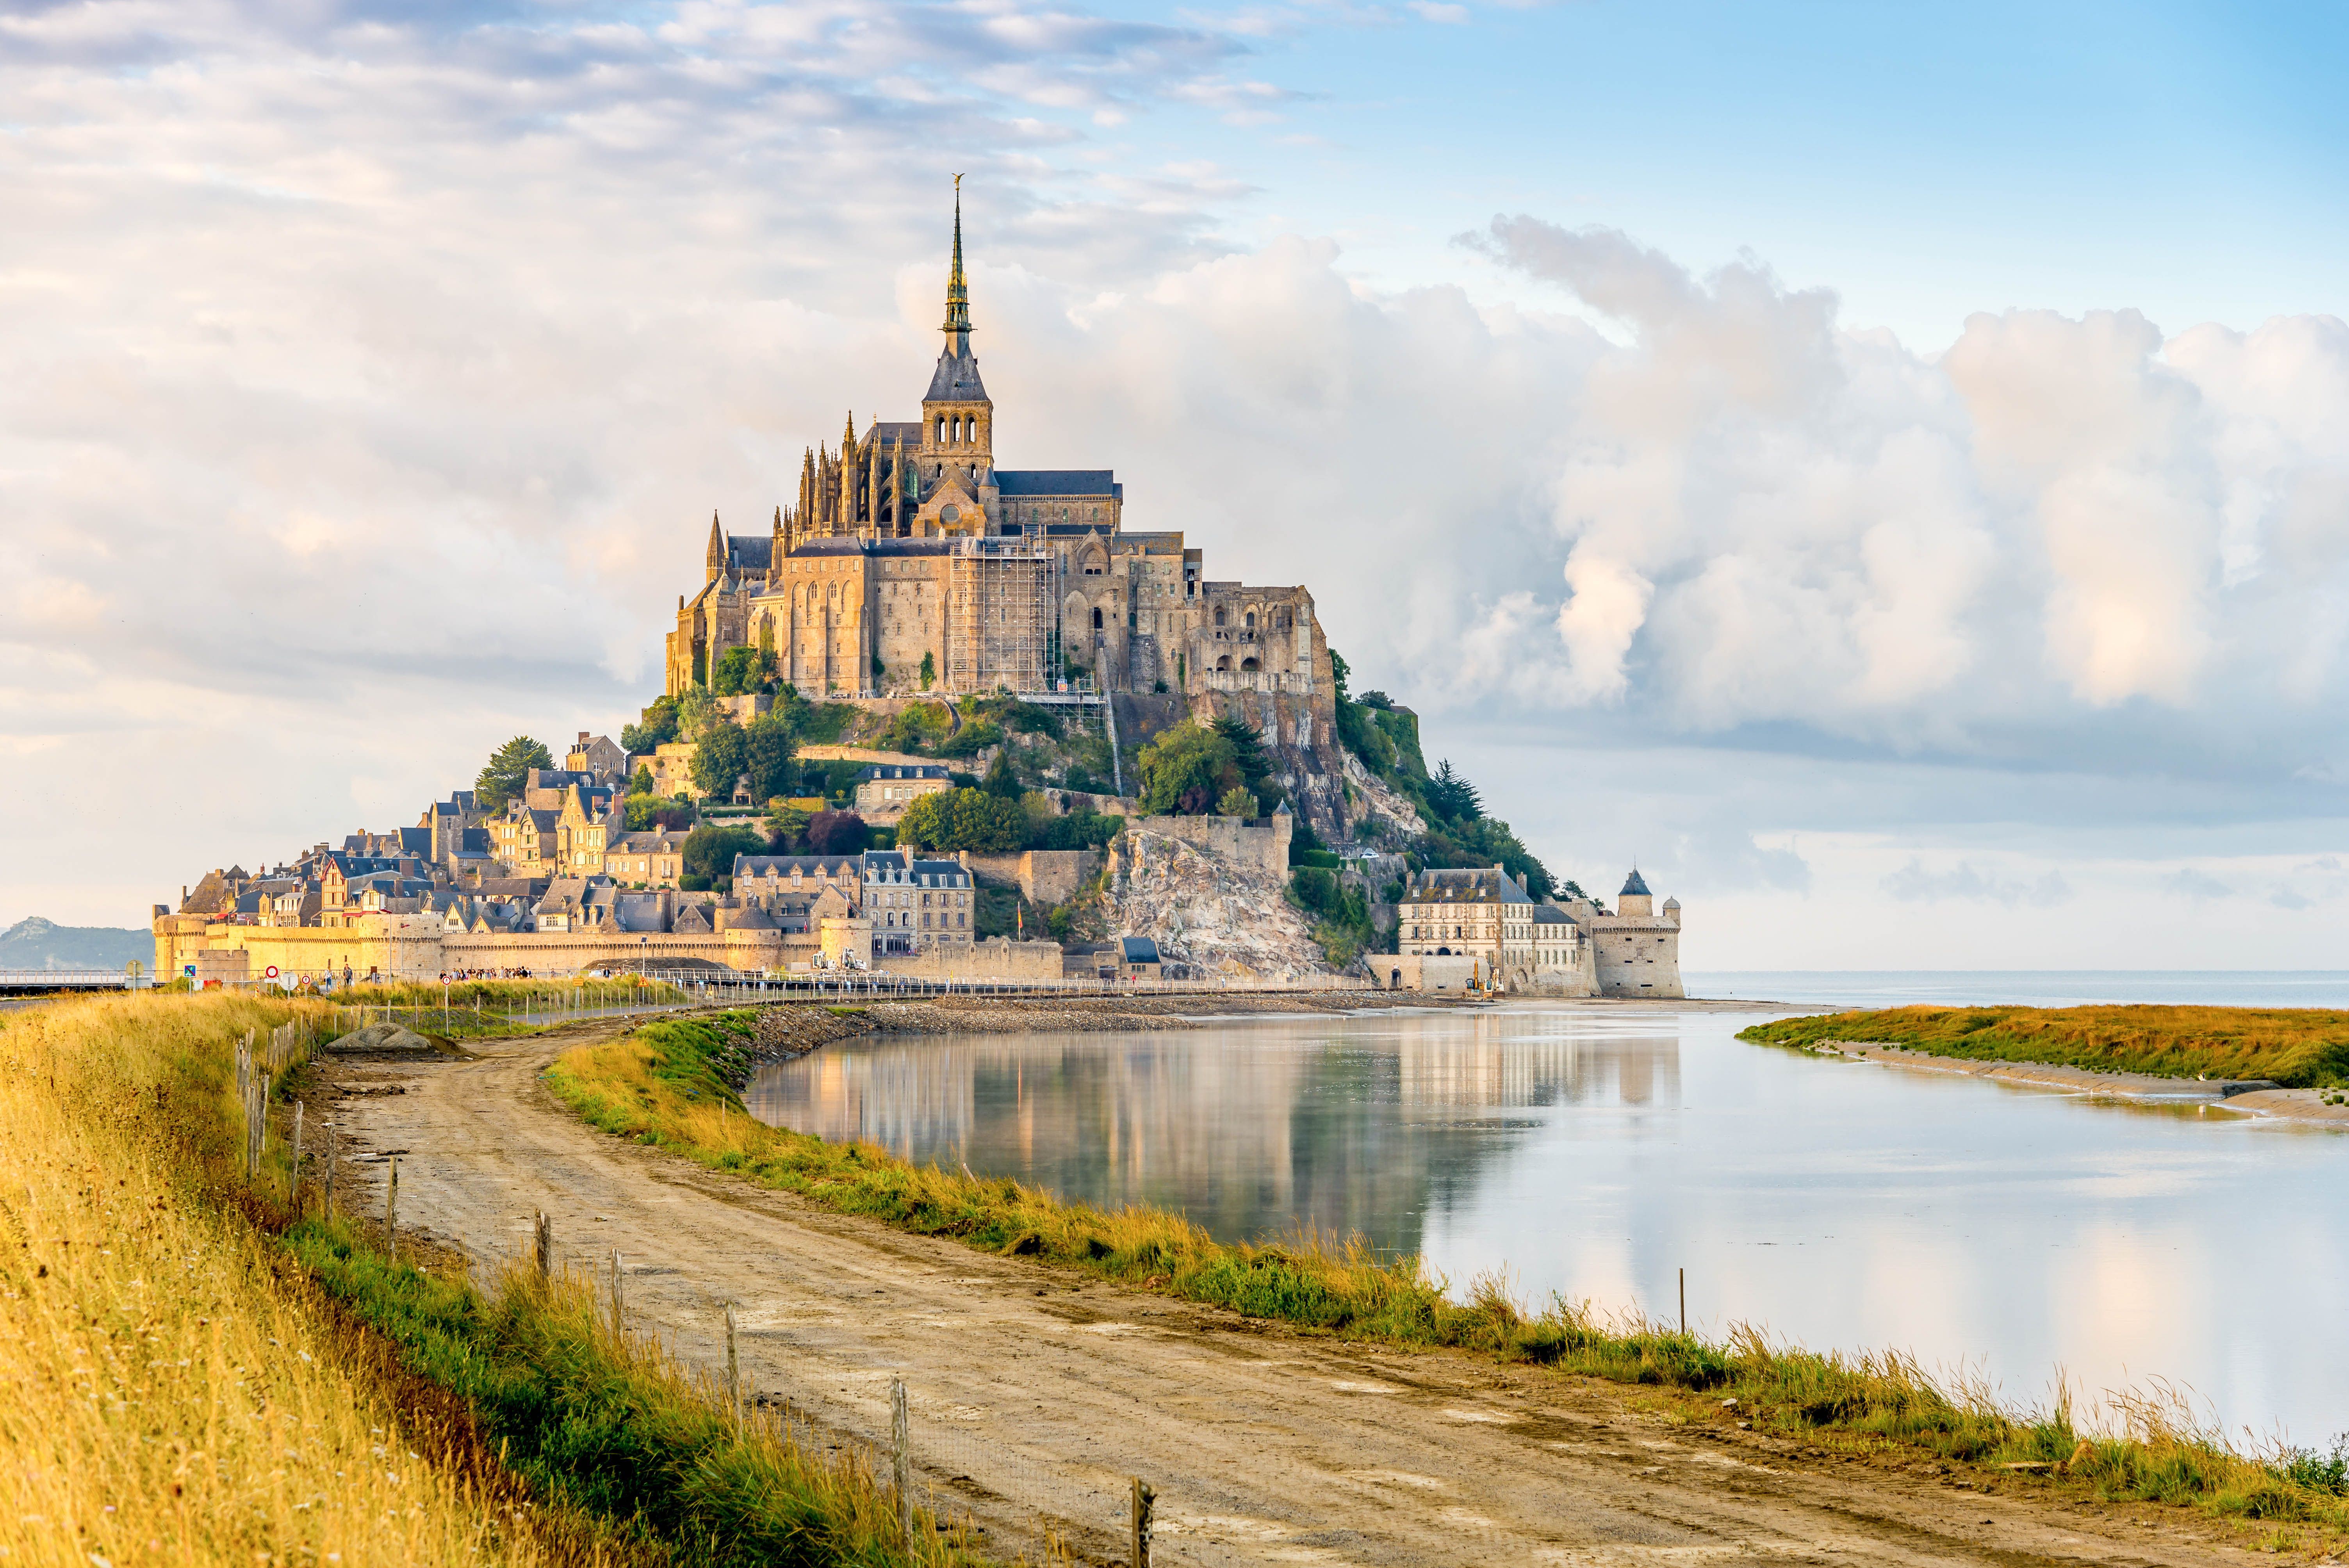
[2007, 1233]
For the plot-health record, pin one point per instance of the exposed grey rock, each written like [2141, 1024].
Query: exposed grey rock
[1221, 918]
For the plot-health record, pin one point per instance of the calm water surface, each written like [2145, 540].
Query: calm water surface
[2012, 1232]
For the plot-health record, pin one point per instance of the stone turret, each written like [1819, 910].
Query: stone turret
[1635, 898]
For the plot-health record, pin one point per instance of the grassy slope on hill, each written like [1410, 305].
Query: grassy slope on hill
[170, 1388]
[179, 1374]
[667, 1086]
[2298, 1047]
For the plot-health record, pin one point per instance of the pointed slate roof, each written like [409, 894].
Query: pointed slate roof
[1633, 885]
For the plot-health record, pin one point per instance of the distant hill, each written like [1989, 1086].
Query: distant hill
[36, 944]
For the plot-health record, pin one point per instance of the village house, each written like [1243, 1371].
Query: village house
[884, 790]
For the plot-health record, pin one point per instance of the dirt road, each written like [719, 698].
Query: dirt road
[1037, 1395]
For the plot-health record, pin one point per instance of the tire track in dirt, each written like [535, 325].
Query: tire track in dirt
[1039, 1393]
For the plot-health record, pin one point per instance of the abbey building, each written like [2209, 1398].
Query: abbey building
[910, 561]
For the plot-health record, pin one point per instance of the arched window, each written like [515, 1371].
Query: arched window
[942, 431]
[1097, 620]
[1219, 615]
[1247, 664]
[1250, 623]
[1223, 663]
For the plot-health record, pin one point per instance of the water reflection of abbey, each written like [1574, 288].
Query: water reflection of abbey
[1363, 1126]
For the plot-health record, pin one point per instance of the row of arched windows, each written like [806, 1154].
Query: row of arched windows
[1274, 620]
[958, 429]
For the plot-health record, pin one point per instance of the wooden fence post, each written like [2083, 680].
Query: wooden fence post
[330, 1170]
[545, 1238]
[733, 1371]
[899, 1440]
[391, 1211]
[617, 1320]
[293, 1182]
[1146, 1504]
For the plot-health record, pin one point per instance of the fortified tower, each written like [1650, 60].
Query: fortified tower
[1637, 950]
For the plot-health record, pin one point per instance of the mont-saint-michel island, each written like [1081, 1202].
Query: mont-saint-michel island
[951, 720]
[918, 787]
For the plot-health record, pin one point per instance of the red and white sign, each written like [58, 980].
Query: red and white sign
[271, 972]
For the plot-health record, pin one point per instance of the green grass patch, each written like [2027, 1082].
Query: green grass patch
[2297, 1047]
[631, 1087]
[604, 1423]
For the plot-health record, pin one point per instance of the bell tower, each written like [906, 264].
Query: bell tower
[957, 420]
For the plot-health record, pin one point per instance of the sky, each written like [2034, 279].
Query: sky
[1884, 470]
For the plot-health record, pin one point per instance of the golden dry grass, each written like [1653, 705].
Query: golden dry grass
[166, 1394]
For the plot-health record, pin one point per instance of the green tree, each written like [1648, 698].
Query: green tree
[642, 784]
[929, 669]
[696, 710]
[502, 778]
[1453, 797]
[769, 752]
[974, 736]
[1486, 841]
[650, 813]
[1001, 781]
[1247, 747]
[787, 827]
[720, 754]
[709, 851]
[1185, 771]
[656, 727]
[1235, 802]
[963, 820]
[738, 671]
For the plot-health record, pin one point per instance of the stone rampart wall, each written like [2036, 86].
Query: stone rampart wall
[1233, 839]
[1637, 957]
[996, 958]
[1042, 876]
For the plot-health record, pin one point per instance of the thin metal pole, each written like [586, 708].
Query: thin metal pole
[1684, 1303]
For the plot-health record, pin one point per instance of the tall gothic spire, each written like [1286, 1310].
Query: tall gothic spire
[957, 327]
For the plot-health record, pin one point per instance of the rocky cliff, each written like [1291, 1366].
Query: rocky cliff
[1221, 917]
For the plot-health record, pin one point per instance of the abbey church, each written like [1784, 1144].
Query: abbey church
[909, 560]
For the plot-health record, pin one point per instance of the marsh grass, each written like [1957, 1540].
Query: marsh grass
[493, 995]
[2296, 1047]
[664, 1084]
[166, 1391]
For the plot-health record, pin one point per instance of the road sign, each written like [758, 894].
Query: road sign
[271, 972]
